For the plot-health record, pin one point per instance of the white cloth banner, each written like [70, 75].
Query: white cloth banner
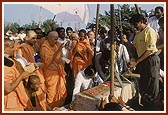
[69, 12]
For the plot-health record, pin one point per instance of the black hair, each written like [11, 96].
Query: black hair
[161, 20]
[89, 32]
[112, 107]
[82, 30]
[69, 28]
[159, 7]
[137, 18]
[90, 70]
[60, 28]
[102, 31]
[38, 30]
[94, 26]
[20, 29]
[109, 32]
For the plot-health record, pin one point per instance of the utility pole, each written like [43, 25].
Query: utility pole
[96, 33]
[76, 13]
[112, 51]
[40, 19]
[137, 9]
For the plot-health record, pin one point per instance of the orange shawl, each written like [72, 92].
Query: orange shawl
[84, 58]
[10, 75]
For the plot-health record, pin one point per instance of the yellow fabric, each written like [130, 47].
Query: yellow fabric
[145, 40]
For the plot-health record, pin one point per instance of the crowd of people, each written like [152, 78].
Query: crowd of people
[68, 62]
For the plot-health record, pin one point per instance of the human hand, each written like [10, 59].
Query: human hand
[25, 75]
[103, 102]
[56, 109]
[159, 51]
[52, 67]
[133, 63]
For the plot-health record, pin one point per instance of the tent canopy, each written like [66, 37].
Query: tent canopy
[69, 12]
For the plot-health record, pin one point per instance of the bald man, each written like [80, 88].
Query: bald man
[33, 89]
[54, 74]
[28, 50]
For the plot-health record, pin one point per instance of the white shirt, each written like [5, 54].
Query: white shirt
[65, 51]
[153, 23]
[82, 82]
[97, 44]
[123, 52]
[99, 40]
[12, 38]
[123, 58]
[21, 36]
[22, 60]
[65, 41]
[65, 55]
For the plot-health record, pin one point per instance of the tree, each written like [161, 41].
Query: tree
[122, 15]
[12, 26]
[49, 25]
[103, 20]
[34, 25]
[26, 27]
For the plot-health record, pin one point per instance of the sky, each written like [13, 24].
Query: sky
[25, 13]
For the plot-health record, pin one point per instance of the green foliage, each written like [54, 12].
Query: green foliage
[13, 27]
[33, 25]
[122, 15]
[49, 25]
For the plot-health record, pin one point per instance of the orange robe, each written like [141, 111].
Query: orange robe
[83, 56]
[38, 43]
[17, 100]
[28, 53]
[40, 99]
[54, 79]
